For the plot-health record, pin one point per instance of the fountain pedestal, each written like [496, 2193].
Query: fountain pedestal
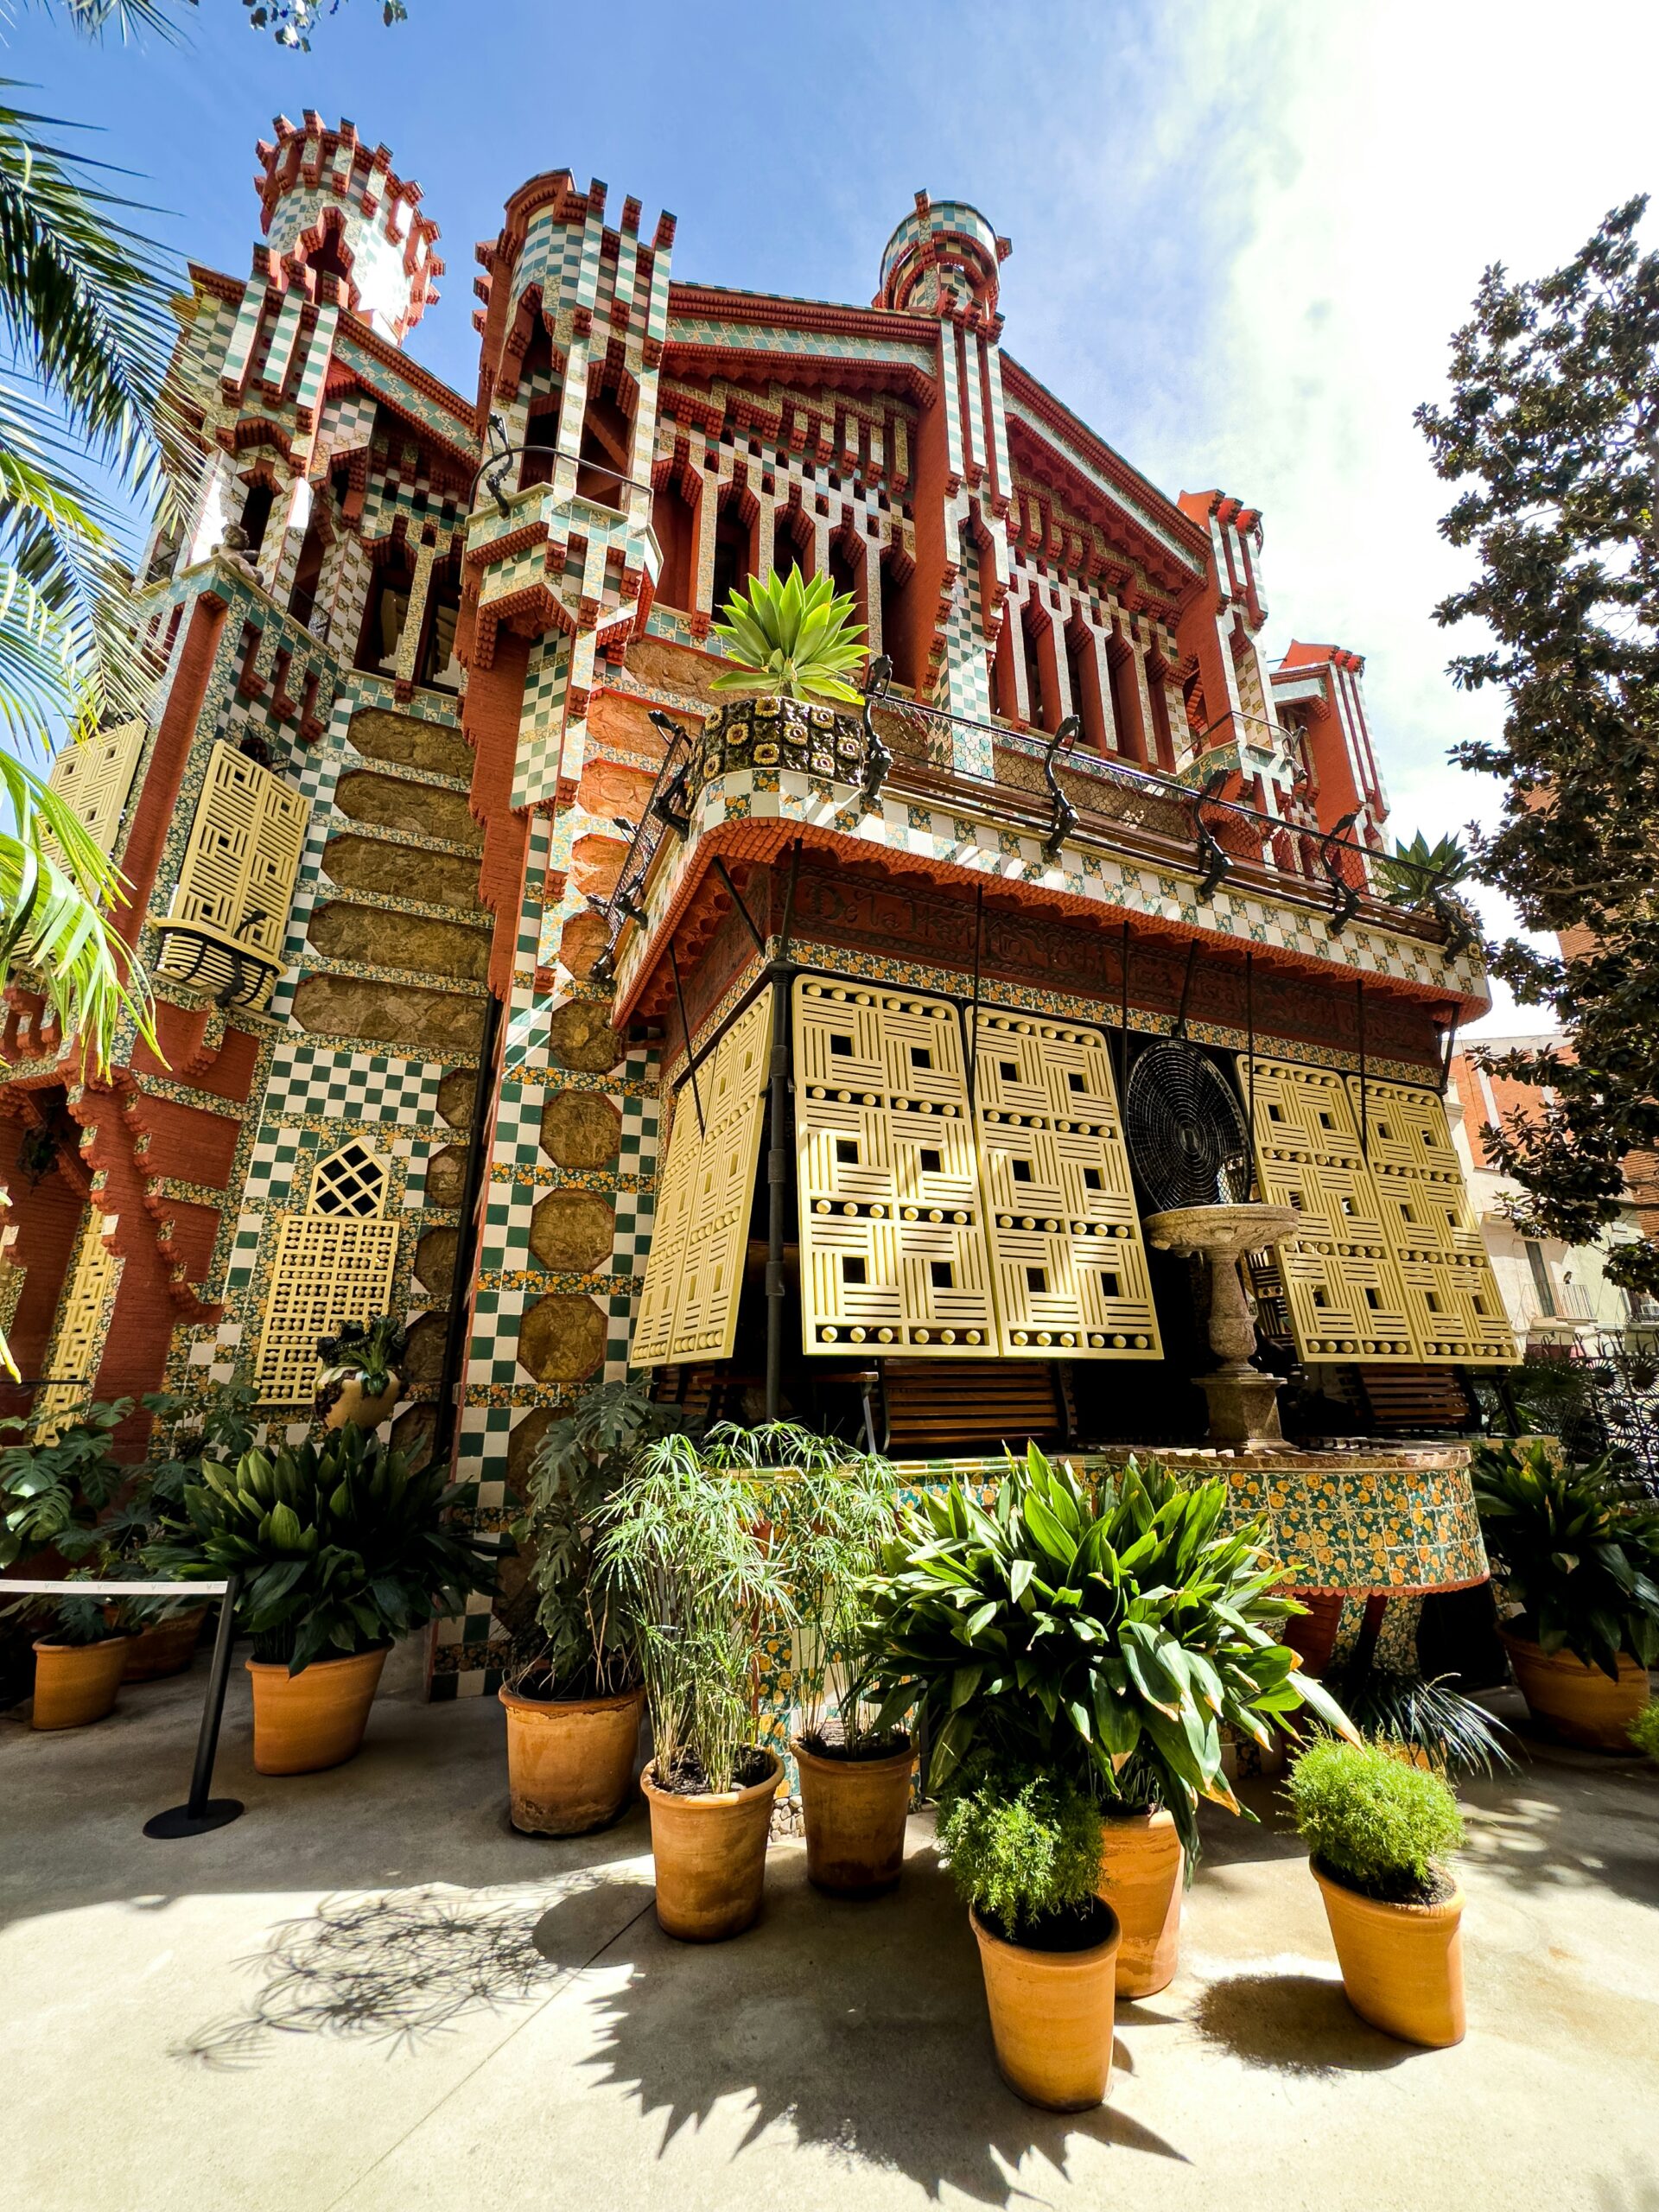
[1243, 1401]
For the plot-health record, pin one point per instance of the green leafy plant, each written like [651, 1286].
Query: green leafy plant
[340, 1545]
[688, 1550]
[790, 639]
[584, 1642]
[1106, 1634]
[1023, 1851]
[1374, 1822]
[1418, 873]
[1643, 1731]
[833, 1508]
[369, 1353]
[55, 1488]
[1424, 1714]
[1574, 1549]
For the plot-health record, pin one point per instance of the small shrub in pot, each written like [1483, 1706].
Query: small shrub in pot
[55, 1485]
[1378, 1832]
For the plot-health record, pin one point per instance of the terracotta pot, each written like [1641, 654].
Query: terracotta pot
[570, 1760]
[1141, 1865]
[75, 1683]
[711, 1856]
[1576, 1703]
[164, 1647]
[1051, 2018]
[1402, 1964]
[304, 1722]
[362, 1412]
[854, 1811]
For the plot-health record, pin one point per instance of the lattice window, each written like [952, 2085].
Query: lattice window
[693, 1271]
[1452, 1295]
[1391, 1267]
[893, 1242]
[95, 779]
[237, 875]
[82, 1324]
[350, 1182]
[326, 1269]
[1068, 1263]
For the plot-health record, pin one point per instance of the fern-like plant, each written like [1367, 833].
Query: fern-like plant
[790, 639]
[1374, 1822]
[1023, 1851]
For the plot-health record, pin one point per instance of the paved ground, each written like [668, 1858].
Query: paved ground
[369, 1993]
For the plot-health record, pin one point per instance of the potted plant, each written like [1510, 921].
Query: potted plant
[791, 638]
[340, 1549]
[360, 1379]
[1107, 1634]
[55, 1489]
[1023, 1851]
[574, 1697]
[689, 1551]
[834, 1509]
[1377, 1831]
[1577, 1555]
[1643, 1731]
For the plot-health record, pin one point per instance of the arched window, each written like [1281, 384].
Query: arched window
[673, 519]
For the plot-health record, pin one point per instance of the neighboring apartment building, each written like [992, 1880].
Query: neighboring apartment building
[1552, 1292]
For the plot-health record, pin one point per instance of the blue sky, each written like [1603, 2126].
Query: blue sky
[1242, 229]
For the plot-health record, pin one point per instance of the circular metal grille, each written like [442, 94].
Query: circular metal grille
[1187, 1135]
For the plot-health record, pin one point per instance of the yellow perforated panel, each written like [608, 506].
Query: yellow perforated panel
[82, 1323]
[95, 777]
[693, 1271]
[237, 878]
[1455, 1307]
[1391, 1266]
[328, 1269]
[1068, 1260]
[892, 1243]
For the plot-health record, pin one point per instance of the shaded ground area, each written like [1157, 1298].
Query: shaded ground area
[369, 1993]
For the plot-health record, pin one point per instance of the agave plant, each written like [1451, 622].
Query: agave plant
[340, 1547]
[1414, 873]
[1107, 1634]
[1577, 1551]
[789, 639]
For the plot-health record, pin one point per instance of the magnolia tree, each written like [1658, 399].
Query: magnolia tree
[1553, 429]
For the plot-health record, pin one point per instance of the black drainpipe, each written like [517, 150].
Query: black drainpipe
[454, 1335]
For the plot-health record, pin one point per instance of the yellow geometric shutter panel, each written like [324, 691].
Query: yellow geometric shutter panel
[237, 879]
[82, 1324]
[95, 779]
[1343, 1286]
[694, 1270]
[1066, 1252]
[1452, 1296]
[328, 1269]
[893, 1242]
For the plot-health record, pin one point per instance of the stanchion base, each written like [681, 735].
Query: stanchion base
[179, 1820]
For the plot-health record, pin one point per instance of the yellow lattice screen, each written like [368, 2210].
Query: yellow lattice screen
[693, 1271]
[237, 875]
[1455, 1308]
[328, 1269]
[1390, 1266]
[95, 779]
[892, 1241]
[82, 1323]
[1068, 1260]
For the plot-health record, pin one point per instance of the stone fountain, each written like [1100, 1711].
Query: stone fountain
[1243, 1401]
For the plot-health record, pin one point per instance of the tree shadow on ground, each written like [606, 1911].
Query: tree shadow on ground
[1551, 1828]
[1290, 2022]
[862, 2027]
[400, 1966]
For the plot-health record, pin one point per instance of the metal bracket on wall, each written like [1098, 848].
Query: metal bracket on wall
[1213, 857]
[1063, 819]
[1345, 895]
[877, 759]
[667, 807]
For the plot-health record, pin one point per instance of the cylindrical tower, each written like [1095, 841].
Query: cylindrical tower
[331, 208]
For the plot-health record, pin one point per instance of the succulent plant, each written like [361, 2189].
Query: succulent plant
[789, 639]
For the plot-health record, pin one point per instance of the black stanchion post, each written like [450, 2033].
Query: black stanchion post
[200, 1813]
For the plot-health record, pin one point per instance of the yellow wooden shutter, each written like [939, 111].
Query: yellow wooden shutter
[328, 1269]
[82, 1324]
[237, 879]
[1067, 1256]
[95, 779]
[893, 1239]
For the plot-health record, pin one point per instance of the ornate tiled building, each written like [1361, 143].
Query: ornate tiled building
[458, 887]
